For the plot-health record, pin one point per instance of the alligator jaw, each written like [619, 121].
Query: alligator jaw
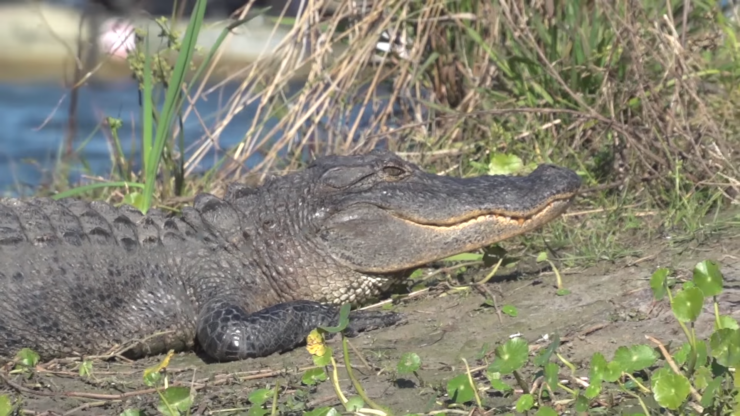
[373, 240]
[527, 220]
[482, 230]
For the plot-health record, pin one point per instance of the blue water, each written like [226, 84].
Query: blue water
[34, 119]
[35, 116]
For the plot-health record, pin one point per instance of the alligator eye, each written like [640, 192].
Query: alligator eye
[393, 171]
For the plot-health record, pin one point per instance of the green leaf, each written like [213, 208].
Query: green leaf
[86, 368]
[496, 382]
[546, 411]
[416, 274]
[657, 283]
[708, 278]
[481, 168]
[702, 377]
[408, 363]
[343, 320]
[613, 371]
[6, 407]
[257, 411]
[726, 321]
[551, 375]
[151, 379]
[510, 356]
[27, 357]
[541, 257]
[525, 402]
[503, 164]
[635, 358]
[687, 304]
[460, 390]
[593, 389]
[313, 376]
[582, 404]
[670, 389]
[544, 356]
[354, 404]
[711, 392]
[598, 367]
[562, 292]
[682, 355]
[630, 384]
[510, 310]
[701, 353]
[500, 385]
[178, 399]
[173, 100]
[661, 372]
[464, 257]
[725, 346]
[261, 396]
[136, 200]
[601, 370]
[323, 360]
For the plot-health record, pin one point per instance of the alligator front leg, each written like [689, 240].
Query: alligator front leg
[227, 333]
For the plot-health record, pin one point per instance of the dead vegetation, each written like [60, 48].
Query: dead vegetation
[628, 93]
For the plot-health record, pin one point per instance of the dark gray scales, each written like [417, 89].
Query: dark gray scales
[253, 273]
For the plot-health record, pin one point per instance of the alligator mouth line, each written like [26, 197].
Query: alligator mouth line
[550, 209]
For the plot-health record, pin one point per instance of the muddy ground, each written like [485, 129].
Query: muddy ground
[610, 305]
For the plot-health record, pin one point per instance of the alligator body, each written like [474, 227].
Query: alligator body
[252, 273]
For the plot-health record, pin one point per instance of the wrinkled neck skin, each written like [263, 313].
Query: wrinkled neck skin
[281, 247]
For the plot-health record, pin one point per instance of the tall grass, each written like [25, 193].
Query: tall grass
[634, 95]
[153, 140]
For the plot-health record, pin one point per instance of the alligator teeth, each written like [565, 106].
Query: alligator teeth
[518, 220]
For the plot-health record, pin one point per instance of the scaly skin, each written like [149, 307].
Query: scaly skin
[253, 273]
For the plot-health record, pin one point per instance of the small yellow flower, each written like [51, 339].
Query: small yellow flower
[161, 366]
[315, 343]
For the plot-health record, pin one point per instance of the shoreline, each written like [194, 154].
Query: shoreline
[39, 43]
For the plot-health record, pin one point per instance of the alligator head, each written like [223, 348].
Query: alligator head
[347, 226]
[388, 215]
[370, 217]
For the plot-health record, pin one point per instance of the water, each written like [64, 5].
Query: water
[34, 111]
[35, 116]
[34, 119]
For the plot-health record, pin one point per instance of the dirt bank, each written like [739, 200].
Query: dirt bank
[609, 305]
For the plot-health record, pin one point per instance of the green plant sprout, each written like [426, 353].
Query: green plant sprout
[558, 279]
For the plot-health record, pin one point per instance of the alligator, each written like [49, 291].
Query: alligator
[252, 273]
